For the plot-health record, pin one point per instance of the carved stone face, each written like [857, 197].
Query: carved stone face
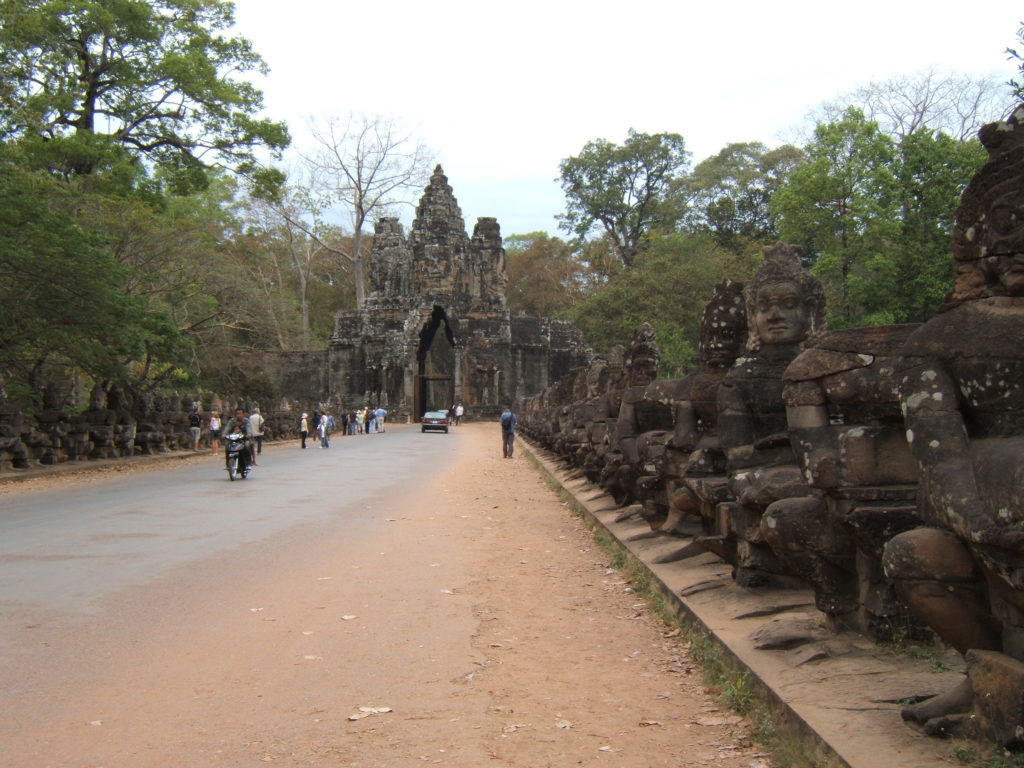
[780, 314]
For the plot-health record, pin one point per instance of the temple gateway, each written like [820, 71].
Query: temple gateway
[435, 328]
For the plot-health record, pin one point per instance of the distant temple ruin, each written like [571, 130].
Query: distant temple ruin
[435, 328]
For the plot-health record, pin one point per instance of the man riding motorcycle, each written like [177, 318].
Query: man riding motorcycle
[240, 423]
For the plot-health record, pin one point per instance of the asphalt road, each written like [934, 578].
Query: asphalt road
[66, 547]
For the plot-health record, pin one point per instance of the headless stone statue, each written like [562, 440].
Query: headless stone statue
[641, 367]
[847, 428]
[962, 389]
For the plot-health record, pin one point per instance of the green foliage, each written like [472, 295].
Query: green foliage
[876, 217]
[932, 171]
[667, 286]
[728, 194]
[620, 189]
[153, 77]
[62, 290]
[1017, 57]
[841, 207]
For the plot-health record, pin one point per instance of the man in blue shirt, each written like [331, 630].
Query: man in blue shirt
[508, 432]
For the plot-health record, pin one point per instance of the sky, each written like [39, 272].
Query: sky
[502, 92]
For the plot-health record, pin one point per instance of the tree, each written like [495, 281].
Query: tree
[367, 164]
[1017, 57]
[668, 285]
[728, 194]
[62, 291]
[148, 79]
[932, 172]
[544, 276]
[950, 102]
[841, 208]
[619, 190]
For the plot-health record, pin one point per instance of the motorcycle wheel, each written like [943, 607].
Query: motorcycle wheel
[232, 467]
[244, 472]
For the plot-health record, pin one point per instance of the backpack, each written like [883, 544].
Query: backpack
[506, 420]
[194, 420]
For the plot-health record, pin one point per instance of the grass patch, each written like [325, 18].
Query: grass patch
[997, 757]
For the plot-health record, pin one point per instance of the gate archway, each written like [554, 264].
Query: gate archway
[435, 364]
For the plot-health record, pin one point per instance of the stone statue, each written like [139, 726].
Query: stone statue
[693, 450]
[962, 390]
[846, 427]
[785, 307]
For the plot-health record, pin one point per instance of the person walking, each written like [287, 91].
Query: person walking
[257, 421]
[381, 413]
[214, 432]
[458, 415]
[195, 427]
[508, 432]
[322, 429]
[304, 429]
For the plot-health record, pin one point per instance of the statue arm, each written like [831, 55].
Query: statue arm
[734, 424]
[685, 435]
[939, 441]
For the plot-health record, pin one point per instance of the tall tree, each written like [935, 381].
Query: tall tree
[728, 194]
[950, 102]
[62, 290]
[667, 286]
[150, 77]
[544, 276]
[367, 164]
[841, 208]
[619, 189]
[932, 171]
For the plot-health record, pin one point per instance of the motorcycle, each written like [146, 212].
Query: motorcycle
[236, 456]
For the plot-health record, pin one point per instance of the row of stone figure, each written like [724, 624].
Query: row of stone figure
[109, 429]
[881, 466]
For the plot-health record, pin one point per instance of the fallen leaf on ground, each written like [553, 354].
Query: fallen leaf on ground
[605, 748]
[348, 617]
[563, 724]
[644, 723]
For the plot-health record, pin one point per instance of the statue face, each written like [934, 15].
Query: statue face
[780, 315]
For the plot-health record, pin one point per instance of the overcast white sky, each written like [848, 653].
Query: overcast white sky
[502, 92]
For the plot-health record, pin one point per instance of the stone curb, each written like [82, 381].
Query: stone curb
[839, 696]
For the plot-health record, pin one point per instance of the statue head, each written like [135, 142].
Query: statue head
[988, 239]
[723, 326]
[98, 398]
[785, 303]
[643, 357]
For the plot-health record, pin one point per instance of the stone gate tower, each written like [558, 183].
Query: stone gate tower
[435, 327]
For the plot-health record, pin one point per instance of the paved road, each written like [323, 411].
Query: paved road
[167, 617]
[65, 548]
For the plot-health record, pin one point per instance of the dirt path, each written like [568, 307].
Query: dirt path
[484, 619]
